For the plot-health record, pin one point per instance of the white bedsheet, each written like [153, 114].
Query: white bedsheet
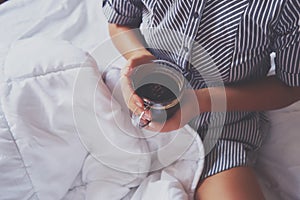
[81, 23]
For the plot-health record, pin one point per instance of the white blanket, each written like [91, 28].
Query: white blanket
[54, 169]
[63, 123]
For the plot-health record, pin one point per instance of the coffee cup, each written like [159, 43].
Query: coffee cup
[160, 85]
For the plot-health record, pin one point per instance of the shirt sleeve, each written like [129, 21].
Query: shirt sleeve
[287, 44]
[123, 12]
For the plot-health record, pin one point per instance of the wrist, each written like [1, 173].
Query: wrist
[203, 100]
[190, 104]
[139, 54]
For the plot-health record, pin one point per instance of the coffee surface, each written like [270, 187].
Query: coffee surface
[158, 88]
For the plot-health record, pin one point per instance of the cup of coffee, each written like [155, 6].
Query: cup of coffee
[160, 86]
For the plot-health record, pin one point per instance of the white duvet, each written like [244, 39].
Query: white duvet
[62, 123]
[58, 138]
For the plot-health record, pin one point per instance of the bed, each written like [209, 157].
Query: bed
[52, 58]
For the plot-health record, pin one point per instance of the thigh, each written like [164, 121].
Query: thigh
[233, 184]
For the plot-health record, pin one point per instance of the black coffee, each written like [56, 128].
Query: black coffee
[155, 92]
[158, 88]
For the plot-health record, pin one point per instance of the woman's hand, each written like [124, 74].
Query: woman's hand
[133, 101]
[189, 108]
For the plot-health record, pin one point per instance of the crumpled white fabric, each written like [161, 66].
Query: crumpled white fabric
[69, 138]
[36, 103]
[81, 22]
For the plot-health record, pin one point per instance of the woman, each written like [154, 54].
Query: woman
[223, 48]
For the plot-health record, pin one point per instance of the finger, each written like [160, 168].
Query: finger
[137, 101]
[140, 61]
[147, 115]
[143, 123]
[132, 100]
[126, 71]
[136, 110]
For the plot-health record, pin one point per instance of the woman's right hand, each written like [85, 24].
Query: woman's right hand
[132, 100]
[189, 108]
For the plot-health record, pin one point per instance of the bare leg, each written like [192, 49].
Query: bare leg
[234, 184]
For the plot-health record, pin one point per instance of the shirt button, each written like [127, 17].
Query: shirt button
[186, 49]
[195, 15]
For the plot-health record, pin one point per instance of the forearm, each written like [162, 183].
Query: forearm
[267, 94]
[129, 41]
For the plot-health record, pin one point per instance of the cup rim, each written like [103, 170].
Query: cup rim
[169, 68]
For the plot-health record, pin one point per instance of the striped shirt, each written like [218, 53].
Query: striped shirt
[220, 41]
